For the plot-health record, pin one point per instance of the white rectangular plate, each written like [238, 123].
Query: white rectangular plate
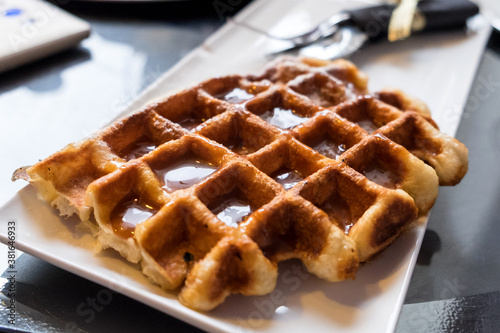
[437, 68]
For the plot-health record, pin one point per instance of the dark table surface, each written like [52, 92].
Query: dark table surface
[455, 286]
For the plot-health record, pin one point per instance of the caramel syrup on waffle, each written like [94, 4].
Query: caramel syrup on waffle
[287, 178]
[367, 125]
[330, 149]
[317, 98]
[128, 214]
[232, 212]
[337, 210]
[282, 118]
[190, 123]
[241, 148]
[185, 174]
[138, 149]
[231, 208]
[235, 96]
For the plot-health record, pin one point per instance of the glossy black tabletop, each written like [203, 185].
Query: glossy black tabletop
[455, 286]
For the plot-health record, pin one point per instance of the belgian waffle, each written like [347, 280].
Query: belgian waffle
[210, 188]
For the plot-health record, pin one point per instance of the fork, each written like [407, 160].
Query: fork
[323, 30]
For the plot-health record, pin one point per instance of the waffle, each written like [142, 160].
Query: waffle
[210, 188]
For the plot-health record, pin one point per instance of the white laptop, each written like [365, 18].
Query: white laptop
[32, 29]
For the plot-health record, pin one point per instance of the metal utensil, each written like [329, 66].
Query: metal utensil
[320, 31]
[370, 24]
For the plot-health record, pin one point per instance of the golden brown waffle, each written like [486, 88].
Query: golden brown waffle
[210, 188]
